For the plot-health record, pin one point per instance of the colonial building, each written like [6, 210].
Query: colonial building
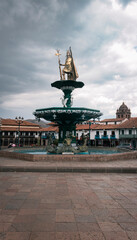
[128, 132]
[23, 133]
[111, 134]
[105, 135]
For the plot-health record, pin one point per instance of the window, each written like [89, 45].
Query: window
[130, 131]
[6, 142]
[123, 132]
[105, 133]
[97, 133]
[113, 133]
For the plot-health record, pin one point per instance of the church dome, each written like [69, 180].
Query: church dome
[123, 111]
[123, 107]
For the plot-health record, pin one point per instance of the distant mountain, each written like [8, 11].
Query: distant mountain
[42, 124]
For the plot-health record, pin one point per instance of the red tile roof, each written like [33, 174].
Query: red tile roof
[130, 123]
[109, 126]
[11, 125]
[113, 120]
[86, 126]
[24, 129]
[49, 129]
[13, 122]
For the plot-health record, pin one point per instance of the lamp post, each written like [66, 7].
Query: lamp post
[0, 134]
[89, 132]
[19, 121]
[134, 139]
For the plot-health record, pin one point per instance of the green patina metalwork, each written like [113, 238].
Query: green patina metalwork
[67, 117]
[62, 115]
[67, 83]
[67, 86]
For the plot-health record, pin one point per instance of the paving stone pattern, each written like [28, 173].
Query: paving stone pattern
[68, 206]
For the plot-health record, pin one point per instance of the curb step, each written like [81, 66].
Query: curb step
[69, 169]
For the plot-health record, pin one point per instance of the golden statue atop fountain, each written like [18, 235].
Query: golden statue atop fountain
[69, 67]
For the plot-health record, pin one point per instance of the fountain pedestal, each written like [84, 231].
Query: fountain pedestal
[67, 86]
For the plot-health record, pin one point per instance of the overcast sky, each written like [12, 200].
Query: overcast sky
[103, 38]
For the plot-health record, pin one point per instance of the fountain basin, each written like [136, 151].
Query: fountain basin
[75, 157]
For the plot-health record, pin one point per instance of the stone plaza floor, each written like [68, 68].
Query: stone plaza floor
[68, 206]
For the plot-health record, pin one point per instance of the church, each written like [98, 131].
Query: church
[123, 112]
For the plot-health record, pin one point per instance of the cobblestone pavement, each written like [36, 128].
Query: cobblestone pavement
[68, 206]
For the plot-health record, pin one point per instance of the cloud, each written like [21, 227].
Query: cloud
[103, 38]
[126, 2]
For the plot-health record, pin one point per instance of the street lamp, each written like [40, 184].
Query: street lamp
[134, 139]
[19, 121]
[0, 133]
[89, 132]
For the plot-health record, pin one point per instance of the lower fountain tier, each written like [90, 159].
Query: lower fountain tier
[67, 116]
[66, 119]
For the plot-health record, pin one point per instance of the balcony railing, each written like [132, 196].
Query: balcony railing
[129, 136]
[104, 136]
[112, 136]
[97, 136]
[44, 137]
